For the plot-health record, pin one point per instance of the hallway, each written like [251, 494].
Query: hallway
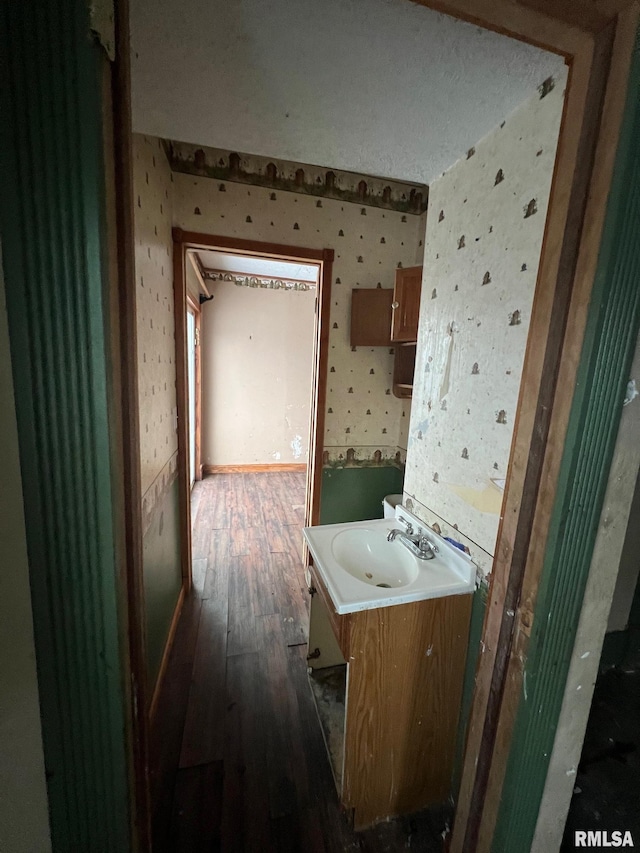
[237, 757]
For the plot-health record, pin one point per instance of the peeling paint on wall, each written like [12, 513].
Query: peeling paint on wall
[296, 447]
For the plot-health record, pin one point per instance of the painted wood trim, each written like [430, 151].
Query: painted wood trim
[321, 370]
[119, 124]
[182, 389]
[166, 654]
[194, 260]
[270, 467]
[194, 308]
[198, 406]
[56, 268]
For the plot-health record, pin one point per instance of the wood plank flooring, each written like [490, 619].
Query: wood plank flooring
[238, 762]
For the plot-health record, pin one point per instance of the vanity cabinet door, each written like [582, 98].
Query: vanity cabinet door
[340, 624]
[406, 305]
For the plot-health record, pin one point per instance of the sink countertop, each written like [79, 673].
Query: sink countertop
[451, 572]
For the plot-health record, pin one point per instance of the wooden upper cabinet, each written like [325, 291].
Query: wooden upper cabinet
[371, 317]
[406, 304]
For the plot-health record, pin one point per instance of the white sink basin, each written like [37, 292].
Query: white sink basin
[362, 570]
[365, 553]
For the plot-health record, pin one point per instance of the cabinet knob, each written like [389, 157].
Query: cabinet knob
[312, 590]
[395, 304]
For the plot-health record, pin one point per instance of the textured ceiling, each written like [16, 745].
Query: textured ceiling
[247, 265]
[378, 87]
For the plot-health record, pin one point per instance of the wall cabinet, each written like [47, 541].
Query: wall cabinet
[371, 317]
[383, 317]
[387, 684]
[404, 363]
[406, 305]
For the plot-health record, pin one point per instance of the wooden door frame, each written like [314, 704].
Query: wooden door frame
[599, 65]
[183, 241]
[194, 305]
[596, 38]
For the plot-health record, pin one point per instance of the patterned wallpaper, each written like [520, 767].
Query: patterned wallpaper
[483, 241]
[364, 421]
[156, 328]
[296, 177]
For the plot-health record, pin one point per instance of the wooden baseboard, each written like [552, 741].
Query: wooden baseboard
[166, 653]
[282, 467]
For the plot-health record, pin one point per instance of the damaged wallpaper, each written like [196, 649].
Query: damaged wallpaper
[483, 241]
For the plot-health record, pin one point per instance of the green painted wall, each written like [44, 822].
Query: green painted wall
[356, 494]
[162, 576]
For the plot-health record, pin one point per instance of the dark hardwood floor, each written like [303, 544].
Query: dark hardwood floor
[238, 762]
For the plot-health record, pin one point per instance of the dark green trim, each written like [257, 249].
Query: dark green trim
[612, 330]
[52, 210]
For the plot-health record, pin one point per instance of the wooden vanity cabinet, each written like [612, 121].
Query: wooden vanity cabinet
[388, 687]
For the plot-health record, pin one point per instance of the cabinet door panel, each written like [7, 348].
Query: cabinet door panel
[406, 304]
[371, 317]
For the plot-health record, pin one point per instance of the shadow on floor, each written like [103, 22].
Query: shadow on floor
[607, 790]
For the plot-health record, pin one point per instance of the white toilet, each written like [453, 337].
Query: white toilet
[389, 505]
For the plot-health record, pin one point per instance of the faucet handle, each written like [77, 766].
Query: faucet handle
[425, 544]
[408, 524]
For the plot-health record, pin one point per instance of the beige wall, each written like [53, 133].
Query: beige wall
[156, 323]
[257, 349]
[24, 819]
[361, 411]
[482, 248]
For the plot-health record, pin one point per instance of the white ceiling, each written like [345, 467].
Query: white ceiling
[378, 87]
[263, 267]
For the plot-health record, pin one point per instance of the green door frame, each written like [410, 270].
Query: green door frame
[54, 235]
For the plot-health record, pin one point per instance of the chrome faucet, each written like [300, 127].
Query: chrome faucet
[418, 543]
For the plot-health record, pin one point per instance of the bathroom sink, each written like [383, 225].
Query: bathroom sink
[362, 570]
[365, 553]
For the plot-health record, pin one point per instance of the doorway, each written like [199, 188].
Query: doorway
[204, 264]
[193, 388]
[528, 423]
